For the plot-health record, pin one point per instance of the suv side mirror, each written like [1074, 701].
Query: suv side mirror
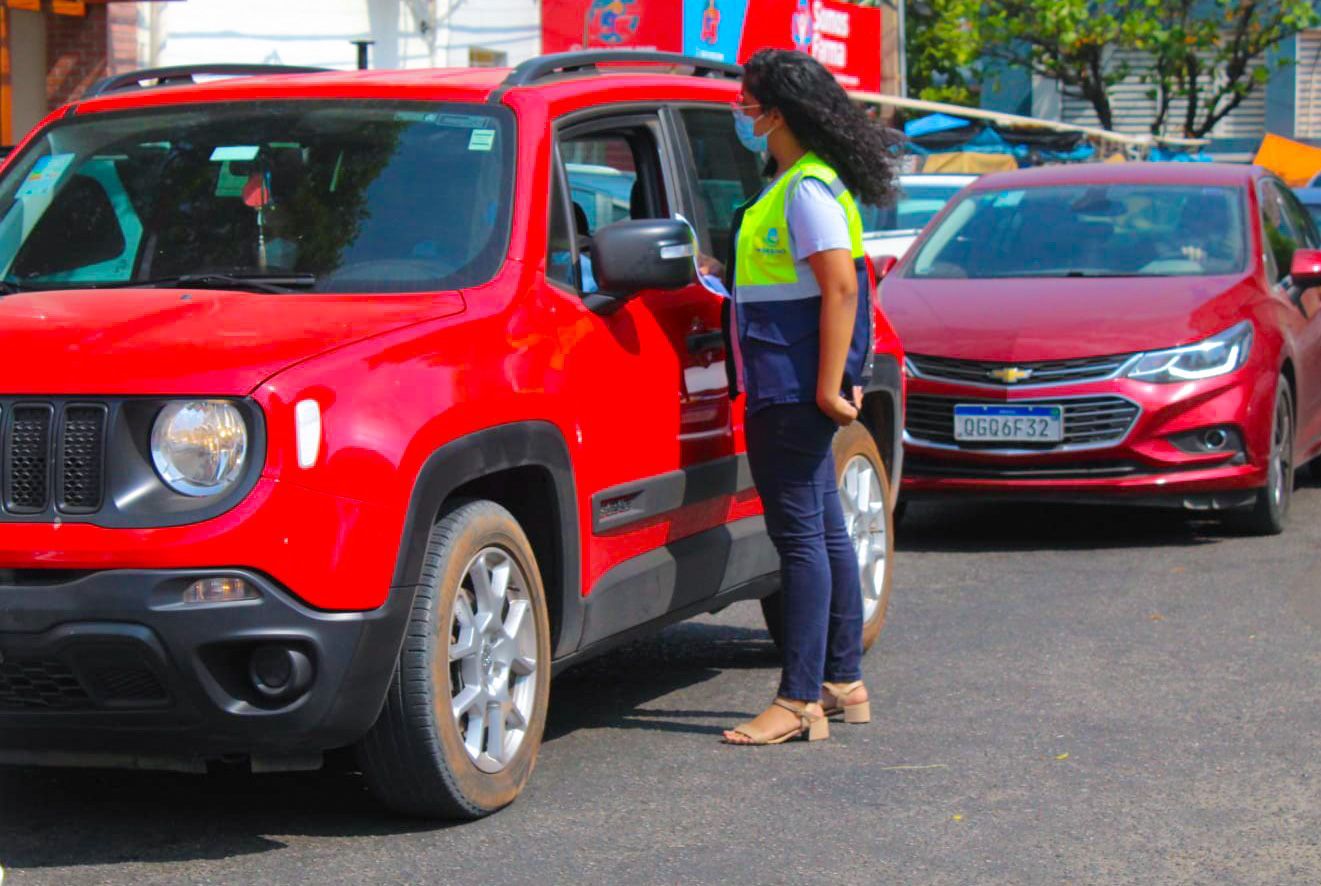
[655, 253]
[1305, 268]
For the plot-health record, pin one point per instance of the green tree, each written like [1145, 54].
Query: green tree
[1209, 55]
[1068, 41]
[944, 48]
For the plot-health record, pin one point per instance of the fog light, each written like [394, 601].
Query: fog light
[219, 590]
[1215, 438]
[279, 672]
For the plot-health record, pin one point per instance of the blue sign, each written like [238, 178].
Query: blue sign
[712, 29]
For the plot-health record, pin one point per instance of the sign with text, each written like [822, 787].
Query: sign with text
[843, 37]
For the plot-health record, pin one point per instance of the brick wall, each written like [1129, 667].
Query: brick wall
[76, 53]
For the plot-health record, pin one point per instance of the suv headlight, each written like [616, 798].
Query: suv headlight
[199, 446]
[1218, 355]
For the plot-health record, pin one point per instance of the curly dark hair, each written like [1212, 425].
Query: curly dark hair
[825, 121]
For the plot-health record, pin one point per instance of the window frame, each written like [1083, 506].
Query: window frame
[650, 117]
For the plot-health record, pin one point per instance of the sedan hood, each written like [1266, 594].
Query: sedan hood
[169, 341]
[1022, 320]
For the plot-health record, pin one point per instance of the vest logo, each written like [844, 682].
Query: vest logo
[773, 237]
[612, 22]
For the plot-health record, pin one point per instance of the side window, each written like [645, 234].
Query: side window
[613, 175]
[1280, 235]
[728, 174]
[1299, 220]
[560, 264]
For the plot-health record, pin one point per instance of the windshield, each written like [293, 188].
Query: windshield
[342, 196]
[1088, 231]
[917, 205]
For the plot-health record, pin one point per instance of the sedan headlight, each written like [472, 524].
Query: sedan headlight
[199, 446]
[1218, 355]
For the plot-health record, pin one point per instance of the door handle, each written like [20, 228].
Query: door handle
[705, 340]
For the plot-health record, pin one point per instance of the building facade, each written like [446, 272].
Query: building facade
[1288, 105]
[51, 51]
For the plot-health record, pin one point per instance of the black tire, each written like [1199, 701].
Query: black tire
[854, 441]
[1269, 514]
[414, 757]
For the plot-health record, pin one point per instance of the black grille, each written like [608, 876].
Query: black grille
[54, 458]
[1088, 421]
[127, 684]
[82, 458]
[922, 467]
[27, 460]
[40, 685]
[1041, 373]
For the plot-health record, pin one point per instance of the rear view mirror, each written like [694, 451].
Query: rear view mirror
[885, 267]
[1305, 269]
[631, 256]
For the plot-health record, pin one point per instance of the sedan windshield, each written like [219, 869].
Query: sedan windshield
[1089, 231]
[342, 196]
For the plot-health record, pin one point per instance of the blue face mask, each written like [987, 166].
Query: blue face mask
[744, 128]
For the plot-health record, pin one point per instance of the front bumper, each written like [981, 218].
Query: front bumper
[106, 666]
[1150, 463]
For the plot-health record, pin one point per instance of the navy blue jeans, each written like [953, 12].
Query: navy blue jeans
[789, 452]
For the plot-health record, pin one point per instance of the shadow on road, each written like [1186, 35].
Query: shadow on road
[611, 691]
[73, 818]
[971, 527]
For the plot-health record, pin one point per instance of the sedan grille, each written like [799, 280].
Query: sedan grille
[1048, 372]
[1088, 421]
[54, 453]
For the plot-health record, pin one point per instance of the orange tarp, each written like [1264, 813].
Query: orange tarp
[969, 161]
[1292, 161]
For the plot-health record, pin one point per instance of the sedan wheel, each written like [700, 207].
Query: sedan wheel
[1268, 514]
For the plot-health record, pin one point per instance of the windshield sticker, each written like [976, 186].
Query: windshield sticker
[227, 153]
[481, 140]
[45, 175]
[1009, 199]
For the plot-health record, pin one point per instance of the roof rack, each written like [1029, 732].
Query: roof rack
[183, 74]
[546, 66]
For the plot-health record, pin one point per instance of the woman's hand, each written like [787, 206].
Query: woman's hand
[839, 410]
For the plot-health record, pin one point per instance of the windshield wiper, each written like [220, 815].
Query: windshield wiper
[254, 282]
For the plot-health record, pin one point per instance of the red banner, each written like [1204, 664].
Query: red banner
[568, 25]
[843, 37]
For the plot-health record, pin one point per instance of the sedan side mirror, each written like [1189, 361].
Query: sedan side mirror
[1305, 268]
[631, 256]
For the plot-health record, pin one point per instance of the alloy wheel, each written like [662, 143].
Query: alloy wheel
[1281, 466]
[864, 516]
[492, 659]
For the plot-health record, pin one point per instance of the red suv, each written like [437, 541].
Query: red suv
[342, 409]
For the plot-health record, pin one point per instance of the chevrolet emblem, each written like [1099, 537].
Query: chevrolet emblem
[1010, 375]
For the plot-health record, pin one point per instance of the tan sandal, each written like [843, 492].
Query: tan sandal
[853, 713]
[815, 726]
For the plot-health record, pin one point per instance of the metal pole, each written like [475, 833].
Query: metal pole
[363, 45]
[903, 50]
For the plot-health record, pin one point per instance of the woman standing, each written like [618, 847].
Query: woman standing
[801, 335]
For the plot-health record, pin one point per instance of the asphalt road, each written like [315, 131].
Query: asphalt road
[1063, 695]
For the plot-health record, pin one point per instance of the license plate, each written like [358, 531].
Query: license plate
[1008, 424]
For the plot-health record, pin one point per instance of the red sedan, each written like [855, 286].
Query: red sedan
[1131, 333]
